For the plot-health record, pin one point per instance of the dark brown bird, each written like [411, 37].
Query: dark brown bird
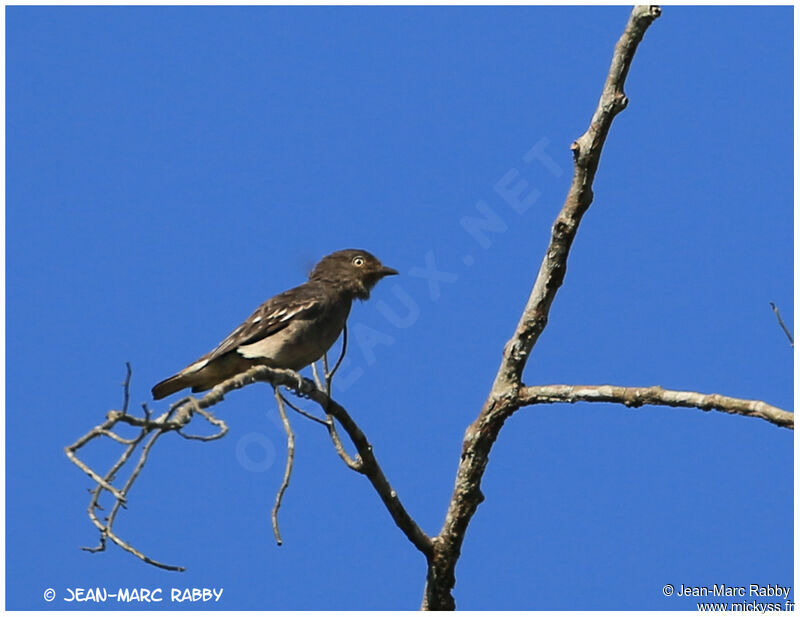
[290, 330]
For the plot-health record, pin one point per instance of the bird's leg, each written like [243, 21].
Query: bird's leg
[326, 369]
[314, 371]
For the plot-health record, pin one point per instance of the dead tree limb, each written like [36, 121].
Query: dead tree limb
[503, 397]
[654, 395]
[175, 419]
[287, 473]
[178, 417]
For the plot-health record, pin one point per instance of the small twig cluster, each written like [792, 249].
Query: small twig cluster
[174, 419]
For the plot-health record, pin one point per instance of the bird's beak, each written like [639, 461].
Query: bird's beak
[386, 271]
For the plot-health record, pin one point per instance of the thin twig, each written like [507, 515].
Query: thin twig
[110, 521]
[220, 424]
[93, 503]
[329, 374]
[356, 464]
[369, 466]
[175, 419]
[303, 412]
[106, 530]
[115, 437]
[330, 423]
[126, 387]
[783, 325]
[287, 473]
[71, 449]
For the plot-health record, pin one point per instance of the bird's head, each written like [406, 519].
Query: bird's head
[353, 270]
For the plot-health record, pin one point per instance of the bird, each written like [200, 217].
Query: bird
[290, 330]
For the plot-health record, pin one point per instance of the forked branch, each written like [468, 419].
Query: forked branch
[175, 419]
[502, 400]
[508, 393]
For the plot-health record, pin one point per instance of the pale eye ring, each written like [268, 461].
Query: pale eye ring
[358, 261]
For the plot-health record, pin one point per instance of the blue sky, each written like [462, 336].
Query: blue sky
[168, 169]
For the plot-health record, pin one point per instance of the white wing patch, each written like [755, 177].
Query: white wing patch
[265, 348]
[273, 346]
[193, 368]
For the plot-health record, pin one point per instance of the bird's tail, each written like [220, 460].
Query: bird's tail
[170, 386]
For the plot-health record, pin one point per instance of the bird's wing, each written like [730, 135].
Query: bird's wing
[271, 317]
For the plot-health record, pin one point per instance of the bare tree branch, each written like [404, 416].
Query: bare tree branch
[782, 325]
[287, 473]
[328, 422]
[654, 395]
[586, 152]
[356, 464]
[178, 415]
[369, 465]
[181, 413]
[502, 400]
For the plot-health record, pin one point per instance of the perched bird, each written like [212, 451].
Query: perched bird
[290, 330]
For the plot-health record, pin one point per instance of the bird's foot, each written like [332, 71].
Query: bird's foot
[302, 386]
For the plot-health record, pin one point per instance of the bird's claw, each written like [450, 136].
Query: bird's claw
[301, 387]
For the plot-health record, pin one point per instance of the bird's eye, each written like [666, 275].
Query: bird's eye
[358, 261]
